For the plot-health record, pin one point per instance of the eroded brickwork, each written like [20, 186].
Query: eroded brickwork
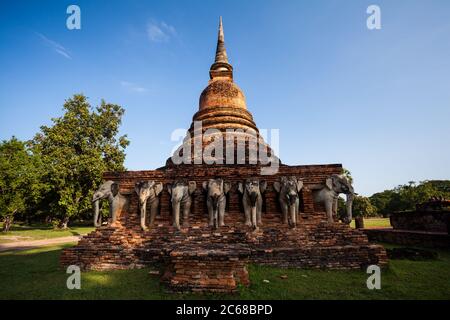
[190, 258]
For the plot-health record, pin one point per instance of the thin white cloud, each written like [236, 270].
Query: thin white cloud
[160, 31]
[58, 48]
[130, 86]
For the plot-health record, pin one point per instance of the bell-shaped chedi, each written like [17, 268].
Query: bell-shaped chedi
[223, 130]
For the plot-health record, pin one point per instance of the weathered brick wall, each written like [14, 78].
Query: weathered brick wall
[201, 259]
[312, 244]
[409, 237]
[311, 175]
[207, 269]
[435, 221]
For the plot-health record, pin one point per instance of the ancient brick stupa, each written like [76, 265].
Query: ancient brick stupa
[223, 113]
[198, 257]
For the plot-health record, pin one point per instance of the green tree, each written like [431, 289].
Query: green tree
[20, 180]
[76, 150]
[363, 207]
[441, 186]
[348, 175]
[405, 197]
[383, 201]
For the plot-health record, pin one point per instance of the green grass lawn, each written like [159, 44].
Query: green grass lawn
[374, 223]
[35, 274]
[40, 231]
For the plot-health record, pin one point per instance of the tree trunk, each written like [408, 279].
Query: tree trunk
[359, 222]
[63, 224]
[7, 223]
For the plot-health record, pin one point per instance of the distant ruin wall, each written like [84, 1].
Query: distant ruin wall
[409, 237]
[432, 221]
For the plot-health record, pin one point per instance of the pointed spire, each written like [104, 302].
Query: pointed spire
[221, 52]
[221, 67]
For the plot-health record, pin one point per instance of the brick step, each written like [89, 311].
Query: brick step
[110, 245]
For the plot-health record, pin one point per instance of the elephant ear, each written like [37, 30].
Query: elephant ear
[205, 185]
[137, 187]
[263, 186]
[277, 186]
[329, 183]
[241, 187]
[226, 187]
[169, 188]
[158, 187]
[192, 186]
[299, 185]
[115, 189]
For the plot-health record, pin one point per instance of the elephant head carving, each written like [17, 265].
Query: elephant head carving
[181, 197]
[288, 189]
[216, 190]
[108, 190]
[252, 190]
[148, 192]
[334, 185]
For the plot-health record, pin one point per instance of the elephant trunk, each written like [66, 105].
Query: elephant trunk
[216, 217]
[292, 199]
[293, 215]
[97, 218]
[215, 204]
[176, 213]
[253, 199]
[349, 206]
[215, 201]
[254, 217]
[143, 208]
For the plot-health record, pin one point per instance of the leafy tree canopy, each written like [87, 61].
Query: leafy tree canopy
[76, 150]
[405, 197]
[20, 179]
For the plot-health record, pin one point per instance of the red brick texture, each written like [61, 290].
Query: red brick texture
[198, 258]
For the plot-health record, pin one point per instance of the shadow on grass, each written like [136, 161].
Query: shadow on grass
[23, 227]
[35, 274]
[75, 233]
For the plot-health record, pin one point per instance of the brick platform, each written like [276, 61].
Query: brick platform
[209, 269]
[198, 258]
[410, 237]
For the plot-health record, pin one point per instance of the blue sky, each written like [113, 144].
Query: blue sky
[376, 101]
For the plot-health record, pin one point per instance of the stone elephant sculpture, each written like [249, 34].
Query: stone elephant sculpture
[181, 197]
[148, 192]
[328, 195]
[108, 190]
[288, 189]
[252, 190]
[216, 200]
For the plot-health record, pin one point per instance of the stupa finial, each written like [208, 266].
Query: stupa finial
[221, 52]
[221, 67]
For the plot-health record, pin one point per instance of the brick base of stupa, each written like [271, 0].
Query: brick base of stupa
[198, 258]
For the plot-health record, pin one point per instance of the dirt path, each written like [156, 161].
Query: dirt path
[31, 244]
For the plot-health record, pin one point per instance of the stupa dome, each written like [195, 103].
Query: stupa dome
[222, 92]
[222, 115]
